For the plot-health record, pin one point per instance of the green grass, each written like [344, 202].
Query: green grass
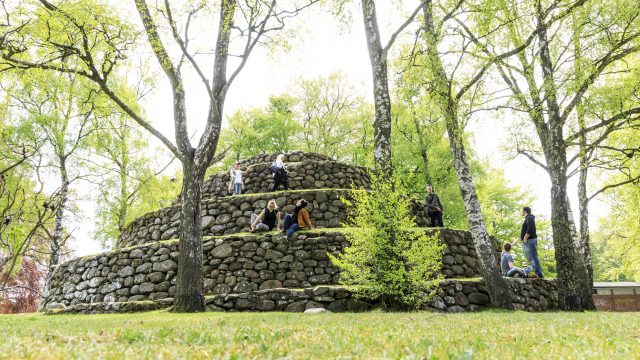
[161, 335]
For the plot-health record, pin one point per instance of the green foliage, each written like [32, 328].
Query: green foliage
[388, 257]
[21, 202]
[256, 131]
[616, 244]
[129, 186]
[22, 214]
[316, 115]
[616, 241]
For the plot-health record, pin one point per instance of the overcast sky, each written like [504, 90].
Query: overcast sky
[321, 46]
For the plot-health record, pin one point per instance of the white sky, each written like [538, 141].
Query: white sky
[322, 47]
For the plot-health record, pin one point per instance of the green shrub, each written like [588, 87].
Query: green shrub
[389, 258]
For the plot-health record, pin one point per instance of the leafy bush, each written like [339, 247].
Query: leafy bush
[388, 257]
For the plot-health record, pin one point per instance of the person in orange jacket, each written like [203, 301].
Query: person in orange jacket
[298, 220]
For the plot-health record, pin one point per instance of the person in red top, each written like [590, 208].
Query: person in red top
[298, 220]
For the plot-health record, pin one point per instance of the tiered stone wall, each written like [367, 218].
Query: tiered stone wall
[308, 174]
[453, 296]
[263, 272]
[221, 216]
[468, 295]
[290, 157]
[232, 264]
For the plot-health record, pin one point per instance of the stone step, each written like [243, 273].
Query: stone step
[229, 215]
[290, 157]
[232, 264]
[453, 295]
[308, 174]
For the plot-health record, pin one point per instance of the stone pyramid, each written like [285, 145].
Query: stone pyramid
[262, 271]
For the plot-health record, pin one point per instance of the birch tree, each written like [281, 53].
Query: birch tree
[448, 96]
[378, 57]
[24, 206]
[546, 87]
[60, 107]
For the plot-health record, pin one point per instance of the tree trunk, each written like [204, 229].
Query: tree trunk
[499, 291]
[583, 248]
[582, 240]
[496, 285]
[423, 151]
[189, 296]
[568, 263]
[382, 100]
[124, 180]
[572, 274]
[58, 232]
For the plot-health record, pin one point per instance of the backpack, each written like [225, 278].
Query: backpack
[274, 168]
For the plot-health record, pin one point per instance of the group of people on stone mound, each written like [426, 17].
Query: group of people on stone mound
[528, 237]
[529, 240]
[278, 171]
[269, 216]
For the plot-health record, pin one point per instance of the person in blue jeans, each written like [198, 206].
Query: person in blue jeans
[530, 240]
[507, 264]
[299, 219]
[235, 179]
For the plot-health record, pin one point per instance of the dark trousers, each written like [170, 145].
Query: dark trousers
[280, 178]
[436, 218]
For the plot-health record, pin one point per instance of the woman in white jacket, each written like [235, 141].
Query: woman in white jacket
[235, 179]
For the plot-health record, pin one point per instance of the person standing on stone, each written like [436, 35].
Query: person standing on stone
[530, 240]
[298, 220]
[266, 220]
[434, 207]
[507, 265]
[235, 179]
[279, 172]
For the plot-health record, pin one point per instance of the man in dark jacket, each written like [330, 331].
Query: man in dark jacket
[434, 207]
[530, 240]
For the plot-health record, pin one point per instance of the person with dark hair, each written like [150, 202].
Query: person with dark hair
[507, 265]
[434, 207]
[299, 219]
[530, 240]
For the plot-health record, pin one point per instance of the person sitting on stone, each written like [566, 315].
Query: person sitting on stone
[507, 265]
[266, 220]
[235, 179]
[279, 171]
[299, 219]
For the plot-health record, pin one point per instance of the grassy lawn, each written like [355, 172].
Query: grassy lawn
[164, 335]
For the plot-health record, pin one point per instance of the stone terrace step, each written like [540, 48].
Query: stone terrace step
[293, 156]
[454, 295]
[308, 174]
[232, 214]
[232, 264]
